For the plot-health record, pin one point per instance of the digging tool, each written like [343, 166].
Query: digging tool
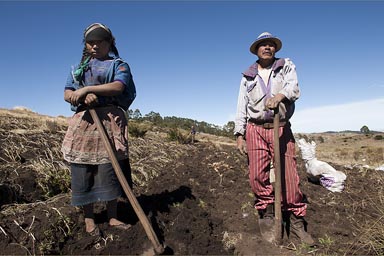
[131, 197]
[277, 165]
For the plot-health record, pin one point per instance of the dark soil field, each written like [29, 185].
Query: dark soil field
[196, 196]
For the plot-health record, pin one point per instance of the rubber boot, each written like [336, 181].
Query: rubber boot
[297, 227]
[267, 223]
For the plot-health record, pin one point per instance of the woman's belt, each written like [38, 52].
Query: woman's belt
[84, 107]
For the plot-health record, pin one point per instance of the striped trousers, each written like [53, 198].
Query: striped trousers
[260, 154]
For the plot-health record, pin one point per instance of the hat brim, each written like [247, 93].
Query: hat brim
[275, 40]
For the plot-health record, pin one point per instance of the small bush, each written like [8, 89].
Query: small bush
[53, 178]
[52, 126]
[175, 134]
[357, 155]
[378, 137]
[138, 130]
[343, 154]
[375, 155]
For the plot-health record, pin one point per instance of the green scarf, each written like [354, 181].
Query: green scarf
[78, 73]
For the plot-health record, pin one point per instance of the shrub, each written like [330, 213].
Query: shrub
[52, 177]
[52, 125]
[357, 155]
[137, 130]
[175, 134]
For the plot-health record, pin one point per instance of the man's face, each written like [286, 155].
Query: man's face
[266, 50]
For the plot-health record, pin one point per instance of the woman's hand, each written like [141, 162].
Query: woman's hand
[78, 96]
[88, 94]
[91, 100]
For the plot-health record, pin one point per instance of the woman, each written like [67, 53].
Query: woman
[102, 81]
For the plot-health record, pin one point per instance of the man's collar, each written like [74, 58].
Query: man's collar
[252, 71]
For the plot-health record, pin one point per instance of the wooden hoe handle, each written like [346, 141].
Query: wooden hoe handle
[131, 197]
[277, 165]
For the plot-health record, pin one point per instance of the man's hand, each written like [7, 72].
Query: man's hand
[273, 102]
[241, 145]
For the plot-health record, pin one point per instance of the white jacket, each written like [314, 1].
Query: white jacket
[253, 93]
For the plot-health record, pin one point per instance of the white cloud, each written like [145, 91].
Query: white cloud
[350, 116]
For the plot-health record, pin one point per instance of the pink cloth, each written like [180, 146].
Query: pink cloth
[260, 153]
[82, 142]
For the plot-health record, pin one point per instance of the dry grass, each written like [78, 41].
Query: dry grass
[42, 243]
[365, 151]
[348, 149]
[34, 141]
[370, 233]
[230, 240]
[215, 140]
[24, 121]
[149, 155]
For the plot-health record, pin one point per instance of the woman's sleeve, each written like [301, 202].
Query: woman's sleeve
[70, 83]
[124, 75]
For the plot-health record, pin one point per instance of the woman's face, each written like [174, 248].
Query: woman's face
[98, 49]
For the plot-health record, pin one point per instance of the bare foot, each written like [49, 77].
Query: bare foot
[115, 222]
[89, 225]
[119, 224]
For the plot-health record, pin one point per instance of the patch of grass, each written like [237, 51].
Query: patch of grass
[350, 149]
[11, 150]
[177, 205]
[375, 155]
[357, 155]
[53, 178]
[138, 130]
[52, 125]
[370, 233]
[175, 134]
[202, 204]
[230, 240]
[326, 242]
[321, 139]
[246, 205]
[55, 235]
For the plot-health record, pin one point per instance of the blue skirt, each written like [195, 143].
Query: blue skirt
[93, 183]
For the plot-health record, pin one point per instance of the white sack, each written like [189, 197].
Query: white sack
[330, 178]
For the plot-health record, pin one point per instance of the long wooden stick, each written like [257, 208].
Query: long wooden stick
[131, 197]
[277, 165]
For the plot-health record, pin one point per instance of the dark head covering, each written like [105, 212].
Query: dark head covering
[97, 31]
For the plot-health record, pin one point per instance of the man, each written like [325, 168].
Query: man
[268, 84]
[193, 133]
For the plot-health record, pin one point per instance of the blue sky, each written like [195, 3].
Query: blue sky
[187, 56]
